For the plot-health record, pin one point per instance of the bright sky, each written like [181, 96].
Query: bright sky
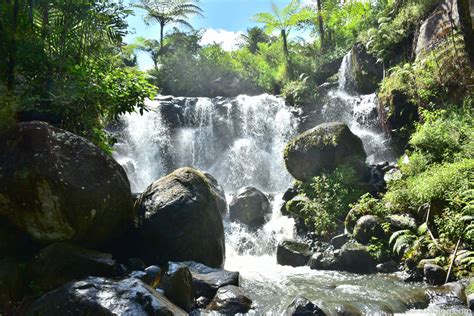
[224, 21]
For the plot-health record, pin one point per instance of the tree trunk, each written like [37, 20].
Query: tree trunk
[321, 23]
[287, 53]
[466, 27]
[162, 26]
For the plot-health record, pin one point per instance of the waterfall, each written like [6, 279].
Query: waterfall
[240, 141]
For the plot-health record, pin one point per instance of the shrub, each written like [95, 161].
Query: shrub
[366, 205]
[330, 195]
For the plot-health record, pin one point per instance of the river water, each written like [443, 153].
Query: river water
[240, 141]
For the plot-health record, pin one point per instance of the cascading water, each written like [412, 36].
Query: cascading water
[240, 141]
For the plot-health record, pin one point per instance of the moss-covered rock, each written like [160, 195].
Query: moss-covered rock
[366, 72]
[356, 258]
[293, 253]
[322, 148]
[179, 220]
[57, 186]
[367, 227]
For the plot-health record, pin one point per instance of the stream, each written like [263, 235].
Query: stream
[240, 141]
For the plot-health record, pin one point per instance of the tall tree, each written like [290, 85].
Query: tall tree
[254, 36]
[284, 20]
[150, 46]
[466, 27]
[166, 12]
[321, 23]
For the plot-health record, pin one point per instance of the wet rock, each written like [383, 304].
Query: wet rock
[249, 206]
[12, 282]
[60, 263]
[434, 274]
[293, 253]
[301, 306]
[326, 260]
[366, 72]
[387, 267]
[322, 148]
[289, 194]
[368, 226]
[219, 193]
[177, 284]
[99, 296]
[230, 299]
[401, 222]
[452, 291]
[135, 264]
[202, 302]
[356, 258]
[347, 310]
[339, 240]
[208, 280]
[48, 196]
[152, 275]
[180, 220]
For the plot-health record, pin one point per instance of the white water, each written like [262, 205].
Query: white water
[240, 141]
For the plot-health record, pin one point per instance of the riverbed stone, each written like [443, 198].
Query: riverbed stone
[57, 186]
[249, 206]
[367, 227]
[230, 300]
[177, 284]
[179, 220]
[326, 260]
[355, 258]
[60, 263]
[301, 306]
[434, 274]
[100, 296]
[208, 280]
[323, 147]
[293, 253]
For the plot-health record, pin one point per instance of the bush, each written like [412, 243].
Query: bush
[366, 205]
[379, 249]
[330, 195]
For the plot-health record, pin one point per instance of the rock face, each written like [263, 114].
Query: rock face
[434, 274]
[355, 258]
[230, 300]
[60, 263]
[293, 253]
[180, 220]
[99, 296]
[368, 226]
[177, 284]
[57, 186]
[249, 206]
[436, 27]
[366, 72]
[208, 280]
[324, 147]
[301, 306]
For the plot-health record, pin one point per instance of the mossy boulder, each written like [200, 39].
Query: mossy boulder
[293, 253]
[322, 148]
[179, 220]
[356, 258]
[57, 186]
[367, 227]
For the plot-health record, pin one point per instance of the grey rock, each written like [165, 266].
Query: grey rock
[249, 206]
[293, 253]
[230, 299]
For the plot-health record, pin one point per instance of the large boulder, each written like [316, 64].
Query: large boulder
[179, 220]
[301, 306]
[355, 258]
[322, 148]
[208, 280]
[60, 263]
[230, 300]
[368, 226]
[219, 193]
[249, 206]
[177, 284]
[365, 71]
[434, 274]
[293, 253]
[104, 297]
[57, 186]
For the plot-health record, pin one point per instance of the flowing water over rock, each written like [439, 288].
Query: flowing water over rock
[240, 141]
